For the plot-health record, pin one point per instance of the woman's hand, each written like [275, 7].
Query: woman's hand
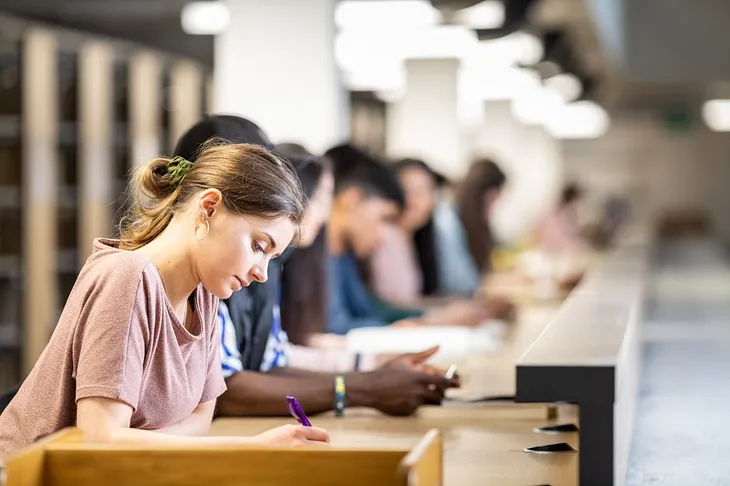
[459, 313]
[416, 362]
[293, 436]
[500, 308]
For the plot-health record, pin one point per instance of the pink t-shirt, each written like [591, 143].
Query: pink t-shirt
[119, 338]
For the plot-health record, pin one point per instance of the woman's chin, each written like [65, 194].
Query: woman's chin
[223, 292]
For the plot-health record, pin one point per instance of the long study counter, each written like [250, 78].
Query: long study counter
[485, 440]
[483, 445]
[590, 355]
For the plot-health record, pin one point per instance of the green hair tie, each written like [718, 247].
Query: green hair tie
[178, 168]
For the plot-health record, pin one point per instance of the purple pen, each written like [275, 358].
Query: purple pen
[297, 412]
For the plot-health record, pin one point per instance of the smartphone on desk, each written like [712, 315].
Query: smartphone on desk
[451, 372]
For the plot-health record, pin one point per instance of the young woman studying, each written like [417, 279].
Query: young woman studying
[135, 355]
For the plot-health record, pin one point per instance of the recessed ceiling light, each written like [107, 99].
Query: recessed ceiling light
[205, 18]
[486, 15]
[378, 15]
[716, 114]
[579, 120]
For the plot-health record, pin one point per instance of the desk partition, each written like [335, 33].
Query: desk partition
[65, 460]
[590, 354]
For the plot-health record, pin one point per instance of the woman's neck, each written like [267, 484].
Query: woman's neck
[405, 228]
[173, 260]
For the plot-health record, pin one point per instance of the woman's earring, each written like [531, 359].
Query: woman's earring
[207, 228]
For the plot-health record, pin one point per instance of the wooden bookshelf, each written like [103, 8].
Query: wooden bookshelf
[68, 154]
[52, 133]
[10, 209]
[122, 156]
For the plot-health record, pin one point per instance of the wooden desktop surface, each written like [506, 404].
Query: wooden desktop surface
[493, 374]
[478, 448]
[483, 442]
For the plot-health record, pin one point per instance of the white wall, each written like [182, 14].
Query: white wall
[425, 123]
[275, 65]
[659, 170]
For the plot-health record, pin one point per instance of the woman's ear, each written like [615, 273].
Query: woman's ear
[210, 201]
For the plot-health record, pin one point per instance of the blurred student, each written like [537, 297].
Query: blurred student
[475, 200]
[404, 267]
[257, 359]
[134, 357]
[369, 198]
[560, 231]
[560, 238]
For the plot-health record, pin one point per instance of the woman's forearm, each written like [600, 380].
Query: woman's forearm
[196, 425]
[147, 437]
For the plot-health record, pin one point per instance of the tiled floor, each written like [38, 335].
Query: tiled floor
[682, 433]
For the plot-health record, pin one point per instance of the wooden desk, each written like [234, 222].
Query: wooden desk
[517, 288]
[494, 374]
[478, 448]
[63, 459]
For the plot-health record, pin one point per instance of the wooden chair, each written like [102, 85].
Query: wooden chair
[64, 460]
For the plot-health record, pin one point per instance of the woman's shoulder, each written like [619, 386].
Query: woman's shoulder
[109, 264]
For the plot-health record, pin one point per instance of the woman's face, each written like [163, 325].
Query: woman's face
[318, 210]
[237, 248]
[421, 197]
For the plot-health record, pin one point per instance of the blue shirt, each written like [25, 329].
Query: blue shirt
[351, 304]
[458, 274]
[277, 345]
[276, 354]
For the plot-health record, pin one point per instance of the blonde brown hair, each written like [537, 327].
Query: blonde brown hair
[484, 176]
[251, 179]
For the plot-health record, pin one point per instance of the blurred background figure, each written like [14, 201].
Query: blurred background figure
[560, 232]
[404, 268]
[407, 267]
[476, 199]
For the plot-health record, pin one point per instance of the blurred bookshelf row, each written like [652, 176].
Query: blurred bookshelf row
[77, 113]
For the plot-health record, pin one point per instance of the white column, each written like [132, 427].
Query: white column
[185, 98]
[145, 98]
[96, 119]
[40, 192]
[532, 161]
[425, 123]
[275, 65]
